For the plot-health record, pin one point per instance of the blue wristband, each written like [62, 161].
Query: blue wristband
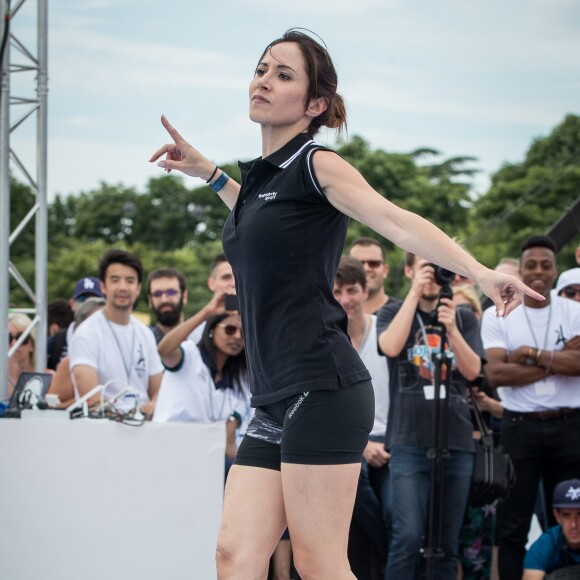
[219, 183]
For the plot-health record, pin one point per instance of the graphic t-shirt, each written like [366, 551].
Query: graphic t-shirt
[412, 384]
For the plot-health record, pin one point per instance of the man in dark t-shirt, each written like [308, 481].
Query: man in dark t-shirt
[409, 337]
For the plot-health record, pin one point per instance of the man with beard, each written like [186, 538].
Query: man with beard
[535, 357]
[167, 293]
[409, 338]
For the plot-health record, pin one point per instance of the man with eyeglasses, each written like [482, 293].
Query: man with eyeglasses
[372, 256]
[568, 285]
[535, 357]
[167, 294]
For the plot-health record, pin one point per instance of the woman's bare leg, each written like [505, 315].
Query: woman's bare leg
[252, 523]
[319, 500]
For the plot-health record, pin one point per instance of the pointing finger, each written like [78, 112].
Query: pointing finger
[172, 131]
[523, 289]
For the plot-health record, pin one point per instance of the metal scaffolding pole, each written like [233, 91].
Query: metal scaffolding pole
[20, 59]
[41, 257]
[4, 197]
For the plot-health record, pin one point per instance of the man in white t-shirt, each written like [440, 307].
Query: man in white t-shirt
[370, 514]
[534, 355]
[112, 347]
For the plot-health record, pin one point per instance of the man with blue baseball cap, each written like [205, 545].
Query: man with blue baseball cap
[57, 346]
[556, 553]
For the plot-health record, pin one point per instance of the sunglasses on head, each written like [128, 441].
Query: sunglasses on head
[83, 297]
[571, 292]
[169, 293]
[15, 337]
[230, 329]
[372, 263]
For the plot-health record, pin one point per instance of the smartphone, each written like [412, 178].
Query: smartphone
[232, 302]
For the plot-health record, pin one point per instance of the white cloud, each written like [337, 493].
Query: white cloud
[424, 100]
[98, 62]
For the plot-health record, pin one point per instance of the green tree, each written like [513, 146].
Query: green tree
[527, 198]
[440, 191]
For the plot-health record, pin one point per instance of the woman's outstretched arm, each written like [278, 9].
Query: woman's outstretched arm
[349, 192]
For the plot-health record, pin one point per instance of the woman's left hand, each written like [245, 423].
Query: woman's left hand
[506, 291]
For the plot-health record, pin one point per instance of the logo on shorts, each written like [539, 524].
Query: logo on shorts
[298, 403]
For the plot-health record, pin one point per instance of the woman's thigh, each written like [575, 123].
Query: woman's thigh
[319, 500]
[253, 518]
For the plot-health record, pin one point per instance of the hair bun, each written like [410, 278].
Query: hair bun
[337, 114]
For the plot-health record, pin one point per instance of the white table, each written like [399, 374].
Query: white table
[95, 499]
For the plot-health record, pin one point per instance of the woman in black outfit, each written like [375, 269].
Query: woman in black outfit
[298, 465]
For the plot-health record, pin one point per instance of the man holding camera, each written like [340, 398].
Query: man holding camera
[410, 334]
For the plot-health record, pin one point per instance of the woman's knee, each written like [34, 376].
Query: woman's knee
[232, 562]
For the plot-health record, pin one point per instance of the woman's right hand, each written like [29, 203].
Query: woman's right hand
[182, 156]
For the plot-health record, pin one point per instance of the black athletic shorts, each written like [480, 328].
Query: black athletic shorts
[312, 428]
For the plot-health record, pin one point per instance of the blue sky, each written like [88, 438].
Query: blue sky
[465, 77]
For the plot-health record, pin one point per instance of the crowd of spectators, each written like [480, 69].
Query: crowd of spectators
[412, 514]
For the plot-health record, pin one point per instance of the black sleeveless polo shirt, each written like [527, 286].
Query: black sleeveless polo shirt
[284, 241]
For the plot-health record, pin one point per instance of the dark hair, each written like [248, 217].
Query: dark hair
[219, 259]
[120, 257]
[59, 312]
[409, 259]
[538, 242]
[350, 271]
[167, 273]
[322, 79]
[236, 366]
[366, 241]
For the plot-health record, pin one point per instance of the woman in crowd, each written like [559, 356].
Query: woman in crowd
[22, 359]
[299, 463]
[206, 381]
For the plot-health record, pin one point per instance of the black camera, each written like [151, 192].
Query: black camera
[443, 277]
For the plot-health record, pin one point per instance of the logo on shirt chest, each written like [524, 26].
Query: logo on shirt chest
[268, 196]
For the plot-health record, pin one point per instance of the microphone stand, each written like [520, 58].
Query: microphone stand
[438, 454]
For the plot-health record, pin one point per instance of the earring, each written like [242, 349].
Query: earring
[211, 334]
